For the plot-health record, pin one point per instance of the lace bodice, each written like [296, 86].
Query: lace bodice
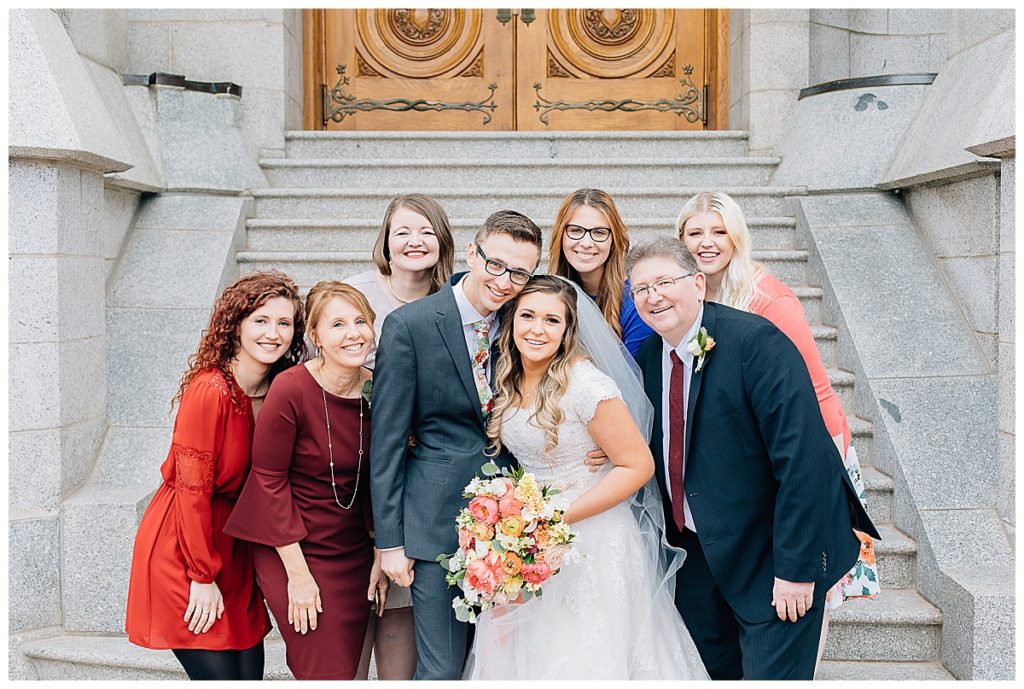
[564, 469]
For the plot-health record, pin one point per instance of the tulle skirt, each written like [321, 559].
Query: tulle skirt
[608, 615]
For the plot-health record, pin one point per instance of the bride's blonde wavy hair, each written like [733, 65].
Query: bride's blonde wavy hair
[508, 371]
[739, 284]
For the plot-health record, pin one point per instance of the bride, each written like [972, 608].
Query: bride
[610, 613]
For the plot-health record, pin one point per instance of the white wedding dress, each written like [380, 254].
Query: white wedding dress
[609, 615]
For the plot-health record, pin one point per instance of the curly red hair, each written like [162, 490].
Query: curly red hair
[220, 340]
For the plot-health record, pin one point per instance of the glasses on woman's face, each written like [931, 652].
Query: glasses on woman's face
[497, 269]
[598, 234]
[662, 284]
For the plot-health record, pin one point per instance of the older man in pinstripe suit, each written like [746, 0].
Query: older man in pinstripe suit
[754, 489]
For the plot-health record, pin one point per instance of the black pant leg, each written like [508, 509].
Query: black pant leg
[708, 617]
[202, 665]
[251, 662]
[778, 649]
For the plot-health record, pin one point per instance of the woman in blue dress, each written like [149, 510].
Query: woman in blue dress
[589, 243]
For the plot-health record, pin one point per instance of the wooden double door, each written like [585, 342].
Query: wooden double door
[530, 70]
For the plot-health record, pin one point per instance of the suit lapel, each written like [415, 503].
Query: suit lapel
[449, 324]
[652, 386]
[697, 380]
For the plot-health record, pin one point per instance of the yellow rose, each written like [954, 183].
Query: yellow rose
[512, 526]
[482, 532]
[512, 586]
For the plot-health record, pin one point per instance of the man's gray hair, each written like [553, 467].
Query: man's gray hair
[662, 247]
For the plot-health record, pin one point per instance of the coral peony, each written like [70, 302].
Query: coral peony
[484, 510]
[536, 573]
[481, 577]
[508, 506]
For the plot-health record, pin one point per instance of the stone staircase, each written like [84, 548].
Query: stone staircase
[322, 213]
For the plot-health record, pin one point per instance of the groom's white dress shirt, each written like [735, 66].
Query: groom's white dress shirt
[470, 316]
[666, 422]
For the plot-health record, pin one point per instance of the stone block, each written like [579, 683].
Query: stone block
[34, 470]
[1007, 477]
[917, 21]
[769, 112]
[778, 56]
[1007, 387]
[203, 143]
[82, 366]
[973, 536]
[19, 666]
[994, 133]
[34, 319]
[49, 211]
[34, 574]
[989, 343]
[1007, 297]
[766, 16]
[55, 112]
[874, 21]
[958, 219]
[973, 280]
[263, 111]
[80, 444]
[205, 15]
[945, 444]
[739, 83]
[843, 139]
[938, 52]
[95, 569]
[190, 212]
[829, 54]
[171, 269]
[149, 348]
[101, 36]
[871, 54]
[80, 297]
[34, 385]
[905, 323]
[118, 214]
[1007, 204]
[837, 18]
[934, 146]
[149, 46]
[246, 53]
[132, 456]
[969, 27]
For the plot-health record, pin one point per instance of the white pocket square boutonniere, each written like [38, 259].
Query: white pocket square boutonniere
[699, 346]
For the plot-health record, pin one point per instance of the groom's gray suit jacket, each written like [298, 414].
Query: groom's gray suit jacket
[423, 386]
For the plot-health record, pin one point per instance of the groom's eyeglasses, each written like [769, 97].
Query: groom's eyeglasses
[497, 269]
[664, 283]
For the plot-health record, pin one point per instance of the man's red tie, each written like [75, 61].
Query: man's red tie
[677, 434]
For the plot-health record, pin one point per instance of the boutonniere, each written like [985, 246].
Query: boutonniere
[367, 390]
[699, 346]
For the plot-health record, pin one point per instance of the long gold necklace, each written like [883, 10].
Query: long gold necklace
[330, 449]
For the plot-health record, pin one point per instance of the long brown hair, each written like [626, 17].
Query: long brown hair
[220, 341]
[613, 278]
[438, 219]
[508, 371]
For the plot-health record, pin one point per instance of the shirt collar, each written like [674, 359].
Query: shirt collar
[467, 312]
[681, 352]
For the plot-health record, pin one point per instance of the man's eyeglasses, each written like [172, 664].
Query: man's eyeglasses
[497, 268]
[598, 234]
[664, 283]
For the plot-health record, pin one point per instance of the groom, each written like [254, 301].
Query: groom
[753, 486]
[431, 382]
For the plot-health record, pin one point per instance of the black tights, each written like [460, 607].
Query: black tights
[206, 665]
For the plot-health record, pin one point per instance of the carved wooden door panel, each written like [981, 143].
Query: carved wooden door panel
[608, 69]
[421, 69]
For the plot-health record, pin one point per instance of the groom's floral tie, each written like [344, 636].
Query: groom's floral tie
[481, 354]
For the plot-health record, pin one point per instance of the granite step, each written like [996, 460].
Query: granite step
[878, 489]
[896, 557]
[863, 438]
[898, 625]
[843, 383]
[810, 299]
[306, 268]
[480, 201]
[490, 145]
[825, 339]
[506, 171]
[867, 670]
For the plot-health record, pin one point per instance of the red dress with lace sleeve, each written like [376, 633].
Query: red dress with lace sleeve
[181, 537]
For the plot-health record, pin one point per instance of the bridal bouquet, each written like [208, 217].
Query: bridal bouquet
[511, 540]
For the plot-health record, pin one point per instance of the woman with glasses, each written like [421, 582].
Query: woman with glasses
[715, 232]
[589, 243]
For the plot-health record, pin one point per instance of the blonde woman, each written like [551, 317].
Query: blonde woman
[606, 615]
[589, 243]
[715, 232]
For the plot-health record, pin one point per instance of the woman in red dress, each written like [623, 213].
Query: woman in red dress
[306, 504]
[192, 587]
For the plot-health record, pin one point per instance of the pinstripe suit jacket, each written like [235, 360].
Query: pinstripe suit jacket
[424, 386]
[765, 483]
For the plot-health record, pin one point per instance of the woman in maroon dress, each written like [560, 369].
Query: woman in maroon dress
[307, 501]
[192, 588]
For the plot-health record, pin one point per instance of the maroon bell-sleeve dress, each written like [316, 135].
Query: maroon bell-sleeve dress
[288, 498]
